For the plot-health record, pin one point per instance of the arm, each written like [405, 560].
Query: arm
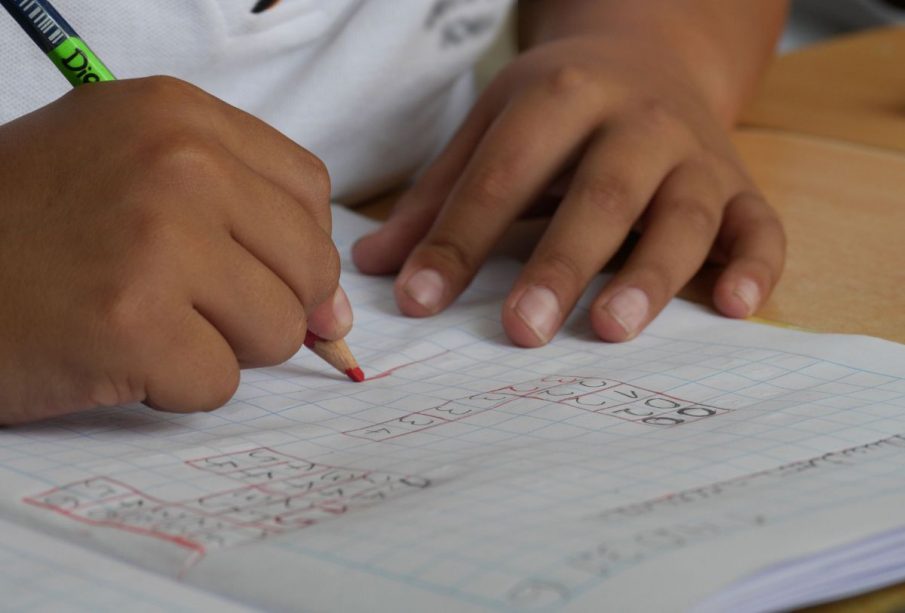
[725, 44]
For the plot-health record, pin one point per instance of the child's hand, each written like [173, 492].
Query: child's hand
[639, 146]
[152, 240]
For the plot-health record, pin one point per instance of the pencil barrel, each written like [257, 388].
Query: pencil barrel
[78, 63]
[41, 22]
[53, 35]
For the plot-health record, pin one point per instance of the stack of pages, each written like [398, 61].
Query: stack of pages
[710, 464]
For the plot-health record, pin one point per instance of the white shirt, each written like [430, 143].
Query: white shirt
[848, 14]
[815, 20]
[372, 87]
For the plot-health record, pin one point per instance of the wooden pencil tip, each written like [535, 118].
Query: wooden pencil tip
[356, 374]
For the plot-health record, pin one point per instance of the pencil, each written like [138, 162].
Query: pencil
[336, 354]
[56, 38]
[79, 64]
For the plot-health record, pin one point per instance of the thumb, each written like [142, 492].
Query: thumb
[332, 319]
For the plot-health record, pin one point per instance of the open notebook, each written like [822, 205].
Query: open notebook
[705, 465]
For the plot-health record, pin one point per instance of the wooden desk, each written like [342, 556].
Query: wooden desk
[851, 89]
[843, 207]
[849, 94]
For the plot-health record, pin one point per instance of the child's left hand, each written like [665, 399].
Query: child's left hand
[640, 147]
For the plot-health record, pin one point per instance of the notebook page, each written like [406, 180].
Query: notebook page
[832, 574]
[471, 475]
[40, 573]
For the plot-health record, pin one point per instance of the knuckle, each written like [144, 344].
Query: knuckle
[656, 113]
[491, 187]
[294, 332]
[318, 283]
[701, 218]
[453, 254]
[660, 280]
[319, 182]
[205, 378]
[771, 227]
[111, 390]
[329, 265]
[569, 79]
[658, 118]
[219, 385]
[774, 225]
[285, 337]
[564, 269]
[761, 215]
[161, 91]
[163, 101]
[753, 199]
[313, 187]
[182, 158]
[725, 169]
[122, 313]
[609, 197]
[155, 238]
[333, 265]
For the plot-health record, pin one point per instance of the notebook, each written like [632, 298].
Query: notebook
[707, 465]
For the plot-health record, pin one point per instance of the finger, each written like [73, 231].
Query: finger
[615, 180]
[682, 224]
[184, 116]
[507, 172]
[753, 237]
[385, 250]
[253, 309]
[268, 152]
[195, 369]
[332, 320]
[284, 236]
[280, 160]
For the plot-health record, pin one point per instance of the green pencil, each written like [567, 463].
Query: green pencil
[58, 40]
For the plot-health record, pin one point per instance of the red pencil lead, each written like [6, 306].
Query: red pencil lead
[356, 374]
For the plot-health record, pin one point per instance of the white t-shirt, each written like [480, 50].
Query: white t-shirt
[849, 14]
[815, 20]
[372, 87]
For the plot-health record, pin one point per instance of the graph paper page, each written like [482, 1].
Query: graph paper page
[40, 573]
[471, 475]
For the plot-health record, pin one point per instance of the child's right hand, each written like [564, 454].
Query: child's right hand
[154, 239]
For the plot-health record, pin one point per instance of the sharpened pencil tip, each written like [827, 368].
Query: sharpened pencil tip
[355, 374]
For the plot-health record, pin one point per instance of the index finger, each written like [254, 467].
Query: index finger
[507, 171]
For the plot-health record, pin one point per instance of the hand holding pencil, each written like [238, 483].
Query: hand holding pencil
[149, 265]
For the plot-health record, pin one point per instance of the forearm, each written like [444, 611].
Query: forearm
[725, 44]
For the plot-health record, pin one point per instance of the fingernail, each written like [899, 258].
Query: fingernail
[426, 287]
[539, 309]
[629, 309]
[748, 292]
[342, 309]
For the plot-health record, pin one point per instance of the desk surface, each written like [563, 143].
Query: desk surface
[849, 92]
[851, 89]
[843, 207]
[825, 140]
